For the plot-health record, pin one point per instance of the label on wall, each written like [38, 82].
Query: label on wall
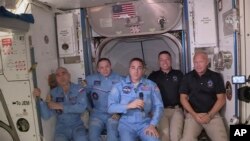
[204, 23]
[14, 57]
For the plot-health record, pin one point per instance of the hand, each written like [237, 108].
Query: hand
[151, 131]
[206, 118]
[55, 105]
[138, 103]
[202, 118]
[115, 116]
[48, 98]
[37, 92]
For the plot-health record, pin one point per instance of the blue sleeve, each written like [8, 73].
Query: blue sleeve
[80, 105]
[46, 113]
[157, 106]
[90, 103]
[114, 105]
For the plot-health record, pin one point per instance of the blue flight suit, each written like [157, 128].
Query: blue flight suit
[69, 126]
[99, 88]
[133, 122]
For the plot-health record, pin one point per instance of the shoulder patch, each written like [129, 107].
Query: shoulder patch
[157, 89]
[97, 83]
[145, 87]
[81, 90]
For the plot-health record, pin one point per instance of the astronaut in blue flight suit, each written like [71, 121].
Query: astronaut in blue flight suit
[99, 86]
[139, 101]
[67, 101]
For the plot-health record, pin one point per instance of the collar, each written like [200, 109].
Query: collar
[128, 80]
[101, 76]
[70, 88]
[170, 71]
[207, 73]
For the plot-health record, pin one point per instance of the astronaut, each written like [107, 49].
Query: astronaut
[139, 101]
[99, 86]
[67, 101]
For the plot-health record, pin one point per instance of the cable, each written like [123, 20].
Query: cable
[11, 127]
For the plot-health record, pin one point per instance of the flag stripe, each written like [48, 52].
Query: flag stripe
[127, 10]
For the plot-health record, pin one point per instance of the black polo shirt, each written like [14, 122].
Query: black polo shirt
[202, 90]
[168, 84]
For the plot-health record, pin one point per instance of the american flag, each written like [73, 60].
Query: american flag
[124, 10]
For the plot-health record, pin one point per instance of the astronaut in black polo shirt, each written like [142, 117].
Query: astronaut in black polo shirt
[168, 81]
[202, 95]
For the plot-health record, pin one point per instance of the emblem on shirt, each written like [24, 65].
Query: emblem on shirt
[81, 90]
[59, 99]
[73, 99]
[97, 83]
[175, 78]
[210, 84]
[126, 89]
[145, 88]
[95, 96]
[157, 89]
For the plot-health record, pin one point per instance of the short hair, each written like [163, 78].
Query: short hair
[137, 59]
[204, 54]
[61, 68]
[164, 52]
[103, 59]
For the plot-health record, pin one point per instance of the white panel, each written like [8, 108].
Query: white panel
[18, 98]
[14, 57]
[77, 69]
[42, 38]
[245, 25]
[67, 34]
[247, 34]
[1, 68]
[205, 23]
[226, 43]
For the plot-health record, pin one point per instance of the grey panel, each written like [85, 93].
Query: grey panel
[142, 18]
[120, 51]
[13, 25]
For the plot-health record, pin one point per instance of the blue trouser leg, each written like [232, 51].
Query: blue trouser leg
[130, 132]
[62, 133]
[79, 133]
[69, 133]
[61, 138]
[126, 133]
[112, 130]
[95, 128]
